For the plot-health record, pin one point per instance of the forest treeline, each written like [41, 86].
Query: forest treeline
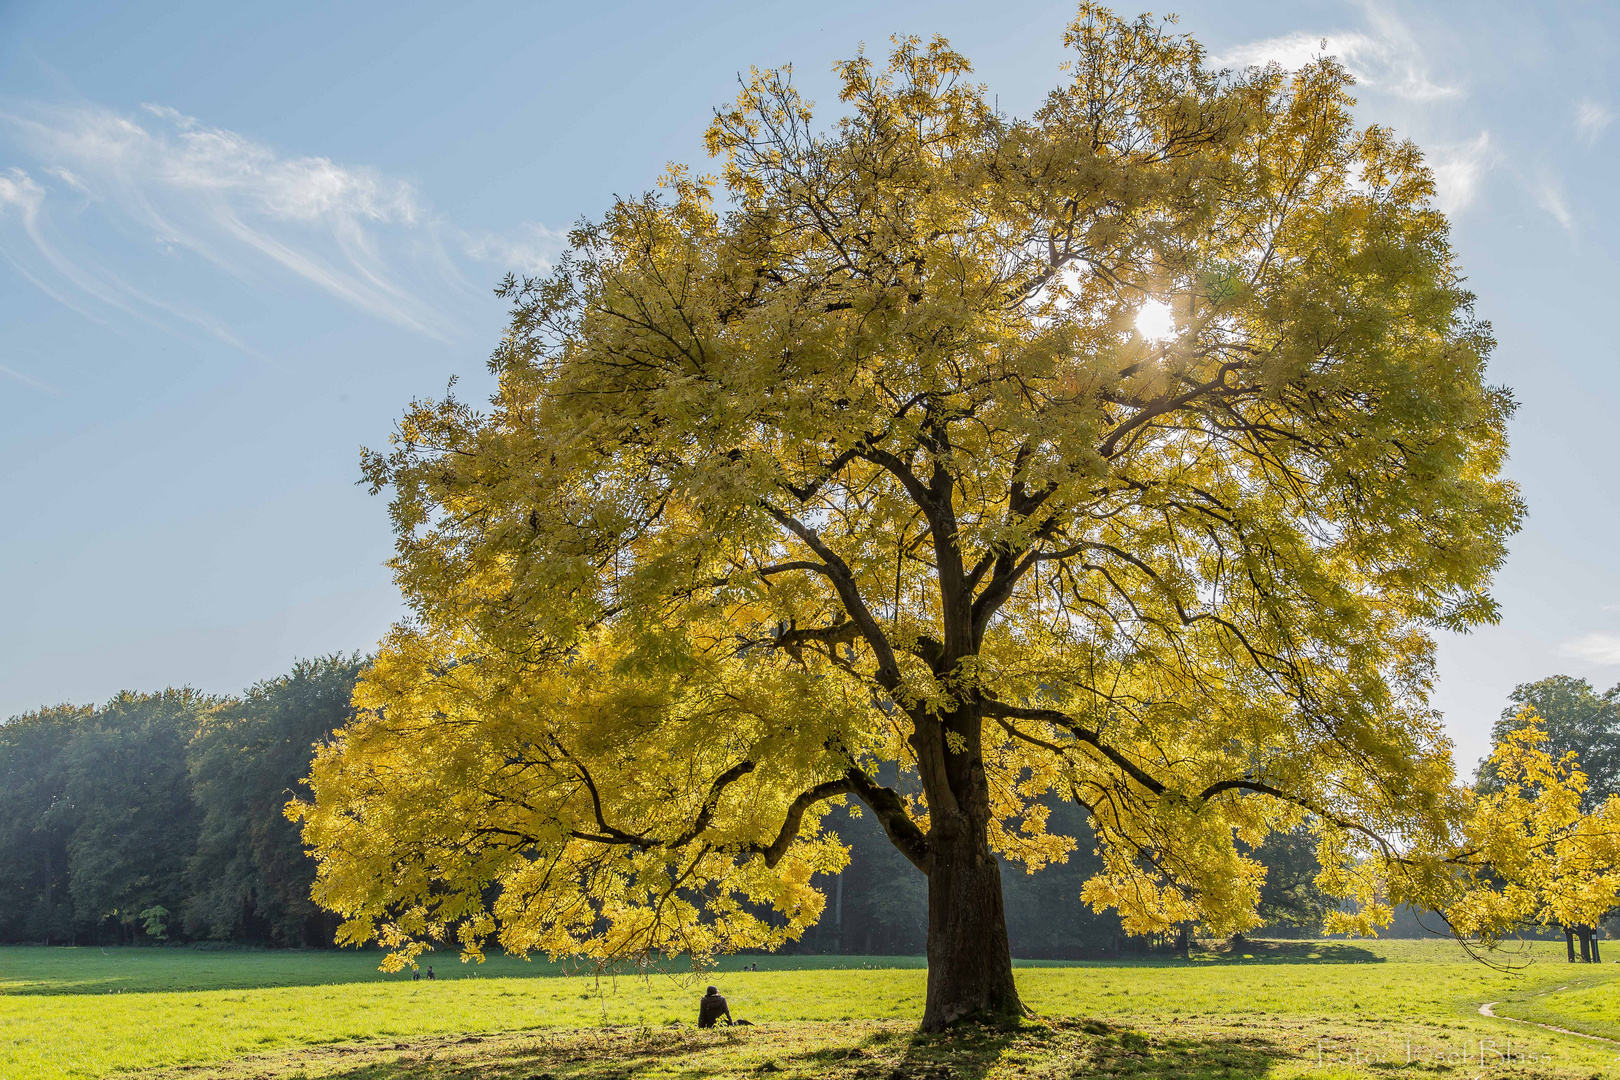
[157, 817]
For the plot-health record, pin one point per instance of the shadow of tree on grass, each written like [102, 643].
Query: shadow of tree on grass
[1069, 1047]
[830, 1051]
[1288, 952]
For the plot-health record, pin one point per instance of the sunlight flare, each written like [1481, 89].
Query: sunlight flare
[1155, 321]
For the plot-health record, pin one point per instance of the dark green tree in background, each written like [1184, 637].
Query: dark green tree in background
[34, 825]
[880, 905]
[127, 798]
[158, 817]
[1578, 720]
[250, 878]
[1290, 897]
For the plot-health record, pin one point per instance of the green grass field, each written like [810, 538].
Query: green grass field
[1273, 1009]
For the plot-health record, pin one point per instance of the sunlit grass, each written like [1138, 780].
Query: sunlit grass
[82, 1013]
[1579, 998]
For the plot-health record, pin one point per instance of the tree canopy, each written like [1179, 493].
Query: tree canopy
[854, 456]
[125, 798]
[1549, 860]
[250, 874]
[1290, 895]
[1576, 720]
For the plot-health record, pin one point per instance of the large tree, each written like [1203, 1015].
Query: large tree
[1125, 454]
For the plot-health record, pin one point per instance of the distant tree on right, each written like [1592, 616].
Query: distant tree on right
[1579, 723]
[1577, 720]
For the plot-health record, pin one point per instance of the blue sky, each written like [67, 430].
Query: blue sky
[238, 239]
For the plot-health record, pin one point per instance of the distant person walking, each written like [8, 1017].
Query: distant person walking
[711, 1008]
[430, 973]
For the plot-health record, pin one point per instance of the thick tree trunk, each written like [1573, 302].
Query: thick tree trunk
[969, 959]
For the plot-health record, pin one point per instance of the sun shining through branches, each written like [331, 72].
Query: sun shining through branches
[1155, 321]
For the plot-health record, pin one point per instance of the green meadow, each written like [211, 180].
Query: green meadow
[1266, 1009]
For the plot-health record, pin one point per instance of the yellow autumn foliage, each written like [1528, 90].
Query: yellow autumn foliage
[845, 475]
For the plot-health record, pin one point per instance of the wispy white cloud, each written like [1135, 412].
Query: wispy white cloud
[29, 381]
[165, 179]
[1385, 57]
[528, 251]
[214, 161]
[1595, 648]
[1459, 169]
[1295, 50]
[1389, 59]
[67, 178]
[93, 292]
[20, 194]
[21, 201]
[1549, 194]
[1400, 64]
[1591, 118]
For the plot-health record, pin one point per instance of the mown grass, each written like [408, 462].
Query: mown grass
[1265, 1009]
[1579, 998]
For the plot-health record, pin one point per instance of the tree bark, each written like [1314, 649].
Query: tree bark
[969, 958]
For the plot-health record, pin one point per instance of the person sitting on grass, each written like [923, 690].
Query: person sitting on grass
[711, 1008]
